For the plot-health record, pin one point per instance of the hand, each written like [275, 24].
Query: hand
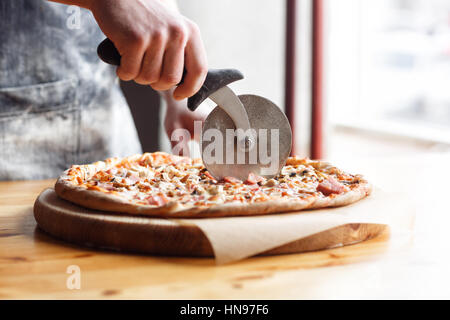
[178, 116]
[155, 42]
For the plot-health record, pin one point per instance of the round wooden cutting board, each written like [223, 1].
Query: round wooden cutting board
[102, 230]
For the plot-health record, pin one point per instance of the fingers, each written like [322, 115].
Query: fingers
[153, 61]
[173, 64]
[131, 60]
[160, 60]
[196, 66]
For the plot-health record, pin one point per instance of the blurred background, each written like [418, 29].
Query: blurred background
[387, 76]
[384, 69]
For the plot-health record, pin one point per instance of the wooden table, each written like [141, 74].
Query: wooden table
[409, 263]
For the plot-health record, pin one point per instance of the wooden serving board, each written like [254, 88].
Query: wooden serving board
[102, 230]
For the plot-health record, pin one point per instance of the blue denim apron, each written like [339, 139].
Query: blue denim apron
[59, 104]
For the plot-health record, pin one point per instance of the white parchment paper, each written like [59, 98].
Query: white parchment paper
[237, 238]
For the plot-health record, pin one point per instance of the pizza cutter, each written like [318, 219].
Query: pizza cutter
[242, 135]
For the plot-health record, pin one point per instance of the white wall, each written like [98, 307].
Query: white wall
[247, 35]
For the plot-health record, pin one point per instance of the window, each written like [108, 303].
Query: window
[388, 66]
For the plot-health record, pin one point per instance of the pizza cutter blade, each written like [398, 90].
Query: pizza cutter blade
[272, 147]
[243, 134]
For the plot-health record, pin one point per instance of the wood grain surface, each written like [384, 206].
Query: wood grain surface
[409, 263]
[88, 227]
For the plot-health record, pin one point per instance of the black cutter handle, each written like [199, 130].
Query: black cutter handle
[215, 79]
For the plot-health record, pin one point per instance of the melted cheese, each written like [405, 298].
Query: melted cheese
[186, 181]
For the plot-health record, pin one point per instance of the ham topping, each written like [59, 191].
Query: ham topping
[157, 200]
[254, 179]
[330, 186]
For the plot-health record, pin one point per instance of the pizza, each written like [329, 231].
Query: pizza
[163, 185]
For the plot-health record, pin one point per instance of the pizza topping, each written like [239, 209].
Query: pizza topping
[232, 180]
[330, 186]
[157, 200]
[271, 183]
[143, 187]
[215, 189]
[185, 178]
[254, 179]
[157, 179]
[207, 174]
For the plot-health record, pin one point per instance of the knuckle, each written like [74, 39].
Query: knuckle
[193, 27]
[148, 74]
[137, 39]
[178, 32]
[150, 77]
[171, 79]
[158, 36]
